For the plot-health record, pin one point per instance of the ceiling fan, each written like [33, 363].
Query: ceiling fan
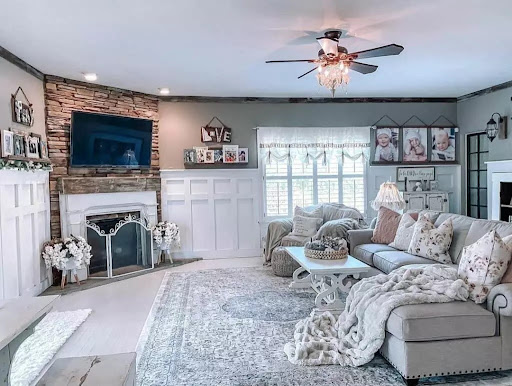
[334, 61]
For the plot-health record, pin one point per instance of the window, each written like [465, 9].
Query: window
[288, 185]
[476, 175]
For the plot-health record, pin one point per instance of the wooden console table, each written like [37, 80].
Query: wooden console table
[18, 318]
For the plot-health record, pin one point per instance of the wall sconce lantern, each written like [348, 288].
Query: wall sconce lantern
[494, 128]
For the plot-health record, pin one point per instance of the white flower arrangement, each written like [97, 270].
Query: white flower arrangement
[166, 234]
[71, 253]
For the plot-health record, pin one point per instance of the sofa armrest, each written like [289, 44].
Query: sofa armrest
[359, 236]
[277, 229]
[499, 300]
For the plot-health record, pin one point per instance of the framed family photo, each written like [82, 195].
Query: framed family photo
[387, 145]
[32, 146]
[243, 155]
[189, 156]
[7, 143]
[415, 144]
[443, 144]
[230, 154]
[19, 145]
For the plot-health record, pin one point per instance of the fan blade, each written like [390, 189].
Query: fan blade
[291, 61]
[307, 72]
[390, 49]
[363, 68]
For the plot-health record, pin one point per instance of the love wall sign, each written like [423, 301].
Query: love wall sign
[213, 134]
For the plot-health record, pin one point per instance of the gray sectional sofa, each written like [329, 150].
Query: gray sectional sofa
[440, 339]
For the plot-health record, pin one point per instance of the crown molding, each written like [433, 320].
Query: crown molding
[485, 91]
[18, 62]
[204, 99]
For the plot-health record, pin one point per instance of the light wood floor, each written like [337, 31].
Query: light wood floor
[120, 309]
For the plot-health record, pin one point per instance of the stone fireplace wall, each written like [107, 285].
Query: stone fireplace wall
[62, 97]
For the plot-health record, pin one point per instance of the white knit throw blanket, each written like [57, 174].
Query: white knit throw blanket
[359, 332]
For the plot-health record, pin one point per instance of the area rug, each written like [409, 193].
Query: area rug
[228, 327]
[39, 348]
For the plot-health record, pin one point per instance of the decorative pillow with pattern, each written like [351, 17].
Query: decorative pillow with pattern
[431, 242]
[314, 212]
[404, 233]
[484, 263]
[305, 226]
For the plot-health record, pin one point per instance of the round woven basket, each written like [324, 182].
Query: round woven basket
[325, 255]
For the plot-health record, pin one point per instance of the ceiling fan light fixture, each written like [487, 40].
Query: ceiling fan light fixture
[333, 77]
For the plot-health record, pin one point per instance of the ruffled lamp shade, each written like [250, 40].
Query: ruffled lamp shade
[389, 197]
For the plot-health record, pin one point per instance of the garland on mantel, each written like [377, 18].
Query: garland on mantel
[9, 164]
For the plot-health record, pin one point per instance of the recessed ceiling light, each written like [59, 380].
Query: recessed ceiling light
[90, 76]
[164, 91]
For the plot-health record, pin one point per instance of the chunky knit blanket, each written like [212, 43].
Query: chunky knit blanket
[358, 333]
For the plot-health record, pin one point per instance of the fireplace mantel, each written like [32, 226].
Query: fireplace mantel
[87, 185]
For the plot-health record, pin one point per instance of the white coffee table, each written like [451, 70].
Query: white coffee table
[326, 277]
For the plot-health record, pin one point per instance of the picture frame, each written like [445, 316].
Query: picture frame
[230, 154]
[201, 154]
[22, 113]
[444, 144]
[19, 145]
[386, 145]
[32, 145]
[434, 185]
[7, 140]
[415, 145]
[189, 156]
[421, 173]
[209, 157]
[43, 149]
[218, 157]
[243, 155]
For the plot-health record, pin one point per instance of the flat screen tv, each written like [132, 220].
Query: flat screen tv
[99, 140]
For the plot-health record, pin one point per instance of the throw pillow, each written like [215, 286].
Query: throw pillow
[386, 227]
[305, 226]
[316, 212]
[431, 242]
[484, 263]
[404, 233]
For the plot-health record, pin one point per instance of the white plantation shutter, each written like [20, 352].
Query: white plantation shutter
[306, 166]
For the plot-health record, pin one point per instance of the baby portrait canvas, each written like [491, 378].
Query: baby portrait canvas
[415, 144]
[443, 144]
[386, 144]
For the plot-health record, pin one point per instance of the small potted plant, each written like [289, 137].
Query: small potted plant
[68, 254]
[166, 235]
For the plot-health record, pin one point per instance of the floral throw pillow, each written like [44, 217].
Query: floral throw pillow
[431, 242]
[484, 263]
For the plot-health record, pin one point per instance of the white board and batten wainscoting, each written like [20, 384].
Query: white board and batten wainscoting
[24, 227]
[217, 210]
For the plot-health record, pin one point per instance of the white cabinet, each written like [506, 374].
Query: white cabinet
[436, 201]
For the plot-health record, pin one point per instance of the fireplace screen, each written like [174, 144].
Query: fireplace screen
[121, 244]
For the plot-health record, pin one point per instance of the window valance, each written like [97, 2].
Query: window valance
[307, 143]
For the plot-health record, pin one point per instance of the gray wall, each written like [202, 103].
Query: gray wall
[180, 123]
[472, 116]
[10, 78]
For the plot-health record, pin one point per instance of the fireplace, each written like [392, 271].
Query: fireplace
[80, 213]
[506, 201]
[121, 244]
[499, 179]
